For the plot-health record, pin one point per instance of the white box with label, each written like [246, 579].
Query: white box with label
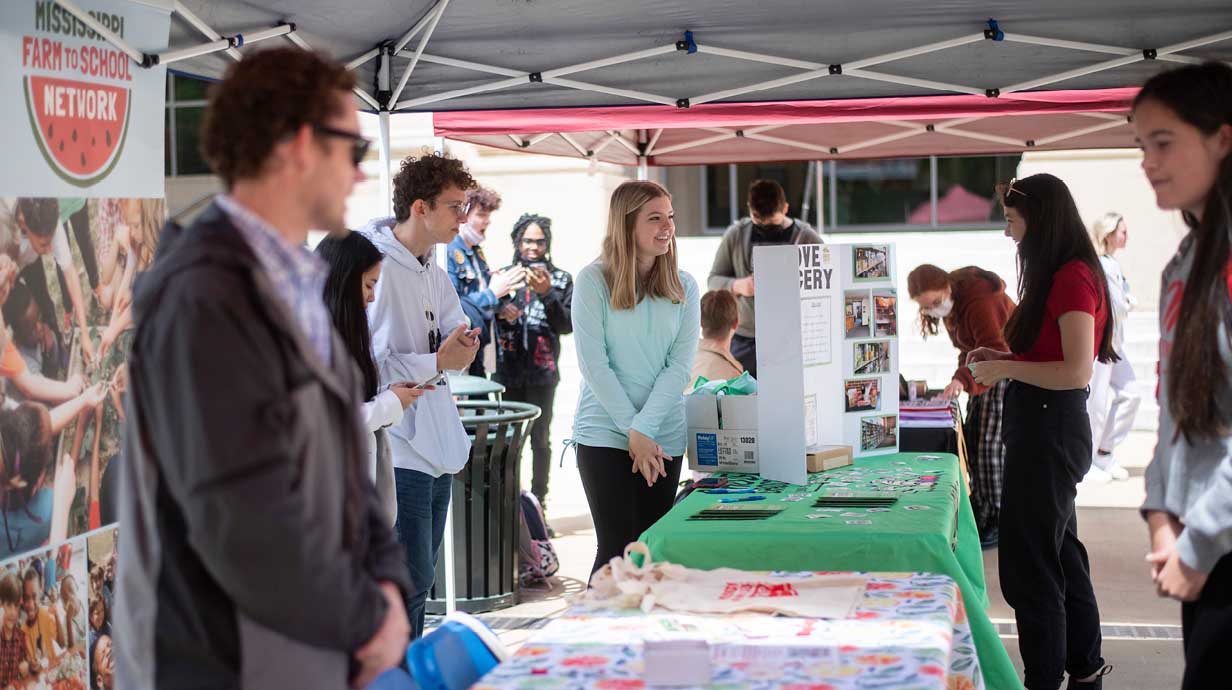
[722, 433]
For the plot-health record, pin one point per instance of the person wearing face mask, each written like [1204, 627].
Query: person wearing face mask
[528, 330]
[1114, 402]
[767, 224]
[479, 289]
[972, 304]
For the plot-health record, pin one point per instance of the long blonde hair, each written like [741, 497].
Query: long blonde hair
[619, 256]
[1104, 226]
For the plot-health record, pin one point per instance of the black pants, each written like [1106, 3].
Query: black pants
[745, 351]
[621, 504]
[1207, 625]
[540, 433]
[1045, 574]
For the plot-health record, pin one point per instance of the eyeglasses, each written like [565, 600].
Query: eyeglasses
[359, 144]
[534, 243]
[460, 208]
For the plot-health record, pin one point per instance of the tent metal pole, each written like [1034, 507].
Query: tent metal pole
[362, 59]
[881, 140]
[572, 142]
[619, 139]
[1017, 143]
[419, 25]
[205, 29]
[540, 138]
[423, 43]
[467, 64]
[804, 146]
[1080, 132]
[583, 86]
[806, 205]
[760, 86]
[821, 197]
[760, 57]
[298, 40]
[383, 143]
[366, 98]
[518, 142]
[909, 81]
[107, 34]
[694, 144]
[654, 141]
[553, 76]
[223, 44]
[1073, 73]
[643, 170]
[1093, 47]
[611, 138]
[913, 52]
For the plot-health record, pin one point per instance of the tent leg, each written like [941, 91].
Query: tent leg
[643, 170]
[451, 586]
[386, 182]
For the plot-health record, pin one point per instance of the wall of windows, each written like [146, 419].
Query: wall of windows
[864, 195]
[186, 98]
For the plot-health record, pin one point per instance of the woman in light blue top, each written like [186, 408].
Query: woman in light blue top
[636, 321]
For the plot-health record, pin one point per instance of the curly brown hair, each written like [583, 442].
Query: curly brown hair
[483, 198]
[424, 178]
[264, 98]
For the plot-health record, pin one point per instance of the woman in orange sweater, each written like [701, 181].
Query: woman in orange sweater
[973, 306]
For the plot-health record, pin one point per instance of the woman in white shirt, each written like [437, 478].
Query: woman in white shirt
[1113, 402]
[354, 267]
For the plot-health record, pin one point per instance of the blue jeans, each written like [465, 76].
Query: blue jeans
[423, 501]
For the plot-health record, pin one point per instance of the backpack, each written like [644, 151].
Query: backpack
[537, 559]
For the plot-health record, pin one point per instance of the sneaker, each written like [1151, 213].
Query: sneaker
[1095, 475]
[1097, 683]
[1108, 463]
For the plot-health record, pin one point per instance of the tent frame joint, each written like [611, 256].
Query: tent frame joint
[535, 77]
[1150, 54]
[836, 69]
[682, 103]
[992, 93]
[994, 32]
[687, 44]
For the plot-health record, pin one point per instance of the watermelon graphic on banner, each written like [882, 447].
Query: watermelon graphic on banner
[80, 127]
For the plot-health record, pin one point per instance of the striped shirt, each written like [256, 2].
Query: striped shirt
[298, 275]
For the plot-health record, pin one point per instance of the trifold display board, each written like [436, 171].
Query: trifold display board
[827, 353]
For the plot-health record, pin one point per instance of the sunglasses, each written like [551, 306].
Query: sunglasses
[1009, 189]
[359, 144]
[534, 243]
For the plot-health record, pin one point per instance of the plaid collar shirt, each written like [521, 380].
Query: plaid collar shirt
[297, 275]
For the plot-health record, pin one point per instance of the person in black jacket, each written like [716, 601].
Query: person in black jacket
[255, 552]
[528, 328]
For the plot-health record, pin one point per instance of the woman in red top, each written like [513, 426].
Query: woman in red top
[972, 305]
[1061, 326]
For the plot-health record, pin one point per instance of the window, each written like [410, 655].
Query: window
[868, 195]
[185, 115]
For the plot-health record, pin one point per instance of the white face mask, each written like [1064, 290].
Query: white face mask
[943, 310]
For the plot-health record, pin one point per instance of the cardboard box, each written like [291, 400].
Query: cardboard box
[830, 458]
[722, 432]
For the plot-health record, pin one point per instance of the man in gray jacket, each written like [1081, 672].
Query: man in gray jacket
[255, 554]
[767, 224]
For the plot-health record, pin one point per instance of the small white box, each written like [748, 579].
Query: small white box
[722, 433]
[677, 662]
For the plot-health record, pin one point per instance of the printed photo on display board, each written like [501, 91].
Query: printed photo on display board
[44, 641]
[857, 315]
[870, 263]
[885, 313]
[871, 358]
[103, 547]
[66, 274]
[862, 395]
[878, 432]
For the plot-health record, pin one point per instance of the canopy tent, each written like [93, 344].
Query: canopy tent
[669, 82]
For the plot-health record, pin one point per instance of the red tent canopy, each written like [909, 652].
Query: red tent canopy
[808, 130]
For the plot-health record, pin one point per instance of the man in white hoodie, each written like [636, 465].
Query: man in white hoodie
[418, 332]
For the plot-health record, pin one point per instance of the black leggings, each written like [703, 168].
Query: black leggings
[1207, 624]
[1045, 574]
[621, 504]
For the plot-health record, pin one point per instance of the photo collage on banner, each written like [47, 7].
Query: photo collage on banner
[81, 211]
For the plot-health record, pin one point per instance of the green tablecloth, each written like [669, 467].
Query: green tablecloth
[930, 529]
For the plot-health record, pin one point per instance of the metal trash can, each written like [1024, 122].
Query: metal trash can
[486, 503]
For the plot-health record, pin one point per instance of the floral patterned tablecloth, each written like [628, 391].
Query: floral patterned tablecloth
[909, 632]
